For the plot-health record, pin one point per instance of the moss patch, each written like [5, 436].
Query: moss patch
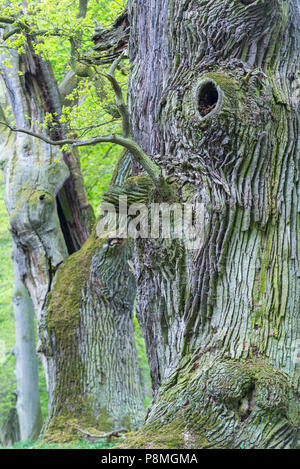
[64, 300]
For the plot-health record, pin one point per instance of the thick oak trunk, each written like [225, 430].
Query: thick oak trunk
[212, 101]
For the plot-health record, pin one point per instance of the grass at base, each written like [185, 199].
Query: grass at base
[80, 444]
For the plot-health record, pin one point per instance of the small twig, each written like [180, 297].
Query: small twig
[119, 96]
[101, 435]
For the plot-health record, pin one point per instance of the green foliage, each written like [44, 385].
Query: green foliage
[97, 164]
[56, 20]
[65, 41]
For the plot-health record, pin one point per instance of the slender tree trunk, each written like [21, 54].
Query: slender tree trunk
[211, 96]
[81, 289]
[28, 400]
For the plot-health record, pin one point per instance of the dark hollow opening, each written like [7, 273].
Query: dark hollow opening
[65, 229]
[208, 98]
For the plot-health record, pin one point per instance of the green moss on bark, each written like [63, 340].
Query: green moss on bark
[63, 302]
[220, 403]
[63, 321]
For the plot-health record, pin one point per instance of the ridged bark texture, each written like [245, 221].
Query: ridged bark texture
[212, 95]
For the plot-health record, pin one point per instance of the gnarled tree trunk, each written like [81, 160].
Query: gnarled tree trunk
[211, 97]
[81, 289]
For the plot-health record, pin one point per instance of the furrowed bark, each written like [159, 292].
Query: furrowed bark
[216, 102]
[90, 313]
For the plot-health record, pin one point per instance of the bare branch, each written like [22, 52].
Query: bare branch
[134, 149]
[119, 96]
[110, 43]
[81, 131]
[6, 20]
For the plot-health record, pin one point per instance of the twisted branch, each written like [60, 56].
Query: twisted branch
[101, 435]
[134, 149]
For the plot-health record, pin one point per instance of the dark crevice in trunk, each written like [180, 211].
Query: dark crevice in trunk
[65, 229]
